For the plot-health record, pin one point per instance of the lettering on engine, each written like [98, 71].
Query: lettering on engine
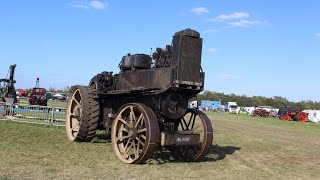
[183, 139]
[177, 138]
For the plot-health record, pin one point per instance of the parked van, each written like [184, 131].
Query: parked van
[231, 107]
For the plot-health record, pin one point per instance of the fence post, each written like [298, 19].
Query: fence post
[52, 114]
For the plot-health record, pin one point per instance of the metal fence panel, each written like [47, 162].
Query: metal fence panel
[58, 116]
[33, 114]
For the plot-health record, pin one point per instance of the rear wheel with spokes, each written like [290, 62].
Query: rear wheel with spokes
[82, 115]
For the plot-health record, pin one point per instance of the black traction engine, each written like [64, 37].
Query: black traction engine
[145, 106]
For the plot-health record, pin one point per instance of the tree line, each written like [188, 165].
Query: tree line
[244, 101]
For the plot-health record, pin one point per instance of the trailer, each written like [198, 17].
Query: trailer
[313, 115]
[209, 105]
[249, 109]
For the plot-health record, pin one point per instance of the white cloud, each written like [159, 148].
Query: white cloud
[237, 19]
[233, 16]
[211, 30]
[318, 35]
[230, 77]
[244, 23]
[200, 10]
[97, 4]
[78, 4]
[89, 4]
[212, 50]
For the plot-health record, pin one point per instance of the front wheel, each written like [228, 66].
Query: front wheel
[135, 133]
[198, 122]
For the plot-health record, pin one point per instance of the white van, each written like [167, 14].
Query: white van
[231, 107]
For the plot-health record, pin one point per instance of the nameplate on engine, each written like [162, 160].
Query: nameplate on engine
[177, 138]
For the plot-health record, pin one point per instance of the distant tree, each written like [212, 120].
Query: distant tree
[51, 89]
[66, 89]
[275, 102]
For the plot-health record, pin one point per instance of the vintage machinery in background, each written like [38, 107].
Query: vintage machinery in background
[261, 113]
[145, 106]
[287, 113]
[23, 93]
[7, 89]
[38, 95]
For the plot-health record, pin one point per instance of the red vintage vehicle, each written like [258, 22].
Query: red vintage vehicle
[38, 95]
[23, 93]
[287, 113]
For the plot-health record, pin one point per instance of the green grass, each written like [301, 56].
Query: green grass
[57, 103]
[244, 147]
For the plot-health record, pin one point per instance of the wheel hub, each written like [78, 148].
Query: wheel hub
[133, 133]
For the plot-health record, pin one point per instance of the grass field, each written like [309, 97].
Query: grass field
[244, 147]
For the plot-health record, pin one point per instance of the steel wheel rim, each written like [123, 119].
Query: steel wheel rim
[74, 113]
[133, 137]
[204, 128]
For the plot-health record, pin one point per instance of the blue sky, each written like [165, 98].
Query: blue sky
[254, 48]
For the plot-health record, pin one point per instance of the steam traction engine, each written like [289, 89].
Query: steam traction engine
[145, 106]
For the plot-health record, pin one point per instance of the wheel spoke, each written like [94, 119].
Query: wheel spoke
[185, 123]
[124, 129]
[200, 125]
[74, 125]
[143, 136]
[142, 130]
[76, 101]
[127, 144]
[190, 119]
[137, 150]
[75, 112]
[134, 149]
[139, 119]
[124, 122]
[75, 128]
[140, 141]
[132, 116]
[123, 137]
[181, 123]
[128, 148]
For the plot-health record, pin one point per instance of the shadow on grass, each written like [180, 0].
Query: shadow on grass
[100, 138]
[215, 153]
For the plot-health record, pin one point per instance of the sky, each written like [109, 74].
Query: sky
[253, 48]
